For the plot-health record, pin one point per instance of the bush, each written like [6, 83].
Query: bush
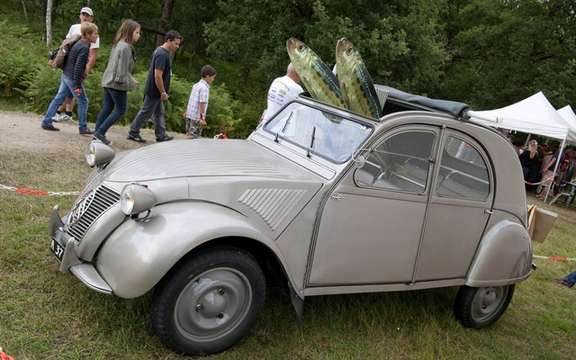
[19, 59]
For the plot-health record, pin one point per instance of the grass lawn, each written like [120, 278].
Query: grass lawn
[45, 314]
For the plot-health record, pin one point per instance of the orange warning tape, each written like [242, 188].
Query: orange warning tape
[34, 192]
[37, 192]
[555, 258]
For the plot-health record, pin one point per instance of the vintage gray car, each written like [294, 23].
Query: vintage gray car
[317, 199]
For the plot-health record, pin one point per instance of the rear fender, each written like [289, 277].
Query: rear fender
[504, 256]
[138, 254]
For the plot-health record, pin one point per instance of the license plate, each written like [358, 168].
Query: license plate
[57, 249]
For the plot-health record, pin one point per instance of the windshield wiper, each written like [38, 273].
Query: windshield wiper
[309, 153]
[283, 127]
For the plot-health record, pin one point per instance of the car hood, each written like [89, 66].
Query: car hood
[202, 157]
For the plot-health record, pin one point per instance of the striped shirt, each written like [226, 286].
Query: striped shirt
[200, 93]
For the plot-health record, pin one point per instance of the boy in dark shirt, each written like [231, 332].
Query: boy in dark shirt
[156, 90]
[72, 78]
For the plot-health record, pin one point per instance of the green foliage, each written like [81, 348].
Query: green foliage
[401, 42]
[18, 58]
[487, 53]
[506, 51]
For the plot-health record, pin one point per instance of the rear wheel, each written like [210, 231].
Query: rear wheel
[481, 307]
[210, 302]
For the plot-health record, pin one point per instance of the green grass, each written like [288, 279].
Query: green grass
[45, 314]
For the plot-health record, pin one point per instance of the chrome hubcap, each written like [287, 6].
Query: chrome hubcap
[488, 301]
[213, 304]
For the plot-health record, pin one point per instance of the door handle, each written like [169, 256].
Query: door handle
[336, 196]
[488, 211]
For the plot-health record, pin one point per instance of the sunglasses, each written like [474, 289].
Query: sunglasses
[85, 14]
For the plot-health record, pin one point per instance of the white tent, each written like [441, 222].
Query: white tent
[570, 118]
[533, 115]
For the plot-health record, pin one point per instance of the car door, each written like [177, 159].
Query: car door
[371, 225]
[460, 206]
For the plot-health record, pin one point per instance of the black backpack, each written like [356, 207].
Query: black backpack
[57, 57]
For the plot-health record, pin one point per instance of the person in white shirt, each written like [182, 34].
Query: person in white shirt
[282, 90]
[198, 102]
[86, 15]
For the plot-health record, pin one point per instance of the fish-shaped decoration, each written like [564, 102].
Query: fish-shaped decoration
[316, 76]
[355, 81]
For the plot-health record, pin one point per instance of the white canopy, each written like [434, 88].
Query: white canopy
[570, 118]
[533, 115]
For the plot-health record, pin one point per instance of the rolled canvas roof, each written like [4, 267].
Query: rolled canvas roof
[533, 115]
[454, 108]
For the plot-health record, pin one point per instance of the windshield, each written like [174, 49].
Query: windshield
[320, 133]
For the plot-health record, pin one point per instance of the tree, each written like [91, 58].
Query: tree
[165, 20]
[49, 5]
[505, 51]
[402, 42]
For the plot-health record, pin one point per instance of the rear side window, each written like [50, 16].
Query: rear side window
[463, 172]
[399, 163]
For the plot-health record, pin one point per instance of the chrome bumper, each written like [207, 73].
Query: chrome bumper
[83, 271]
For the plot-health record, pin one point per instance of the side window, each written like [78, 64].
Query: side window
[399, 163]
[463, 172]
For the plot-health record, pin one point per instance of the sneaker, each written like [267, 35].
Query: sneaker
[86, 131]
[57, 117]
[50, 127]
[102, 138]
[65, 117]
[136, 138]
[164, 138]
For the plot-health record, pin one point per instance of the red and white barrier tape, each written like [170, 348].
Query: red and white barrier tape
[37, 192]
[554, 258]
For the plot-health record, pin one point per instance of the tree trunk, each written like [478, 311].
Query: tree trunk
[165, 20]
[24, 10]
[49, 4]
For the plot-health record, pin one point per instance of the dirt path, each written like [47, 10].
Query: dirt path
[21, 132]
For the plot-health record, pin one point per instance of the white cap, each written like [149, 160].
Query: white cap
[87, 10]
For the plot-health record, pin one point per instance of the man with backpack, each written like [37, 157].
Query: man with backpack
[86, 15]
[71, 80]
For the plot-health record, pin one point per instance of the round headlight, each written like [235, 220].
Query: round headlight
[136, 198]
[127, 202]
[99, 154]
[91, 155]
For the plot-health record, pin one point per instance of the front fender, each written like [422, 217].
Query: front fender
[139, 253]
[504, 256]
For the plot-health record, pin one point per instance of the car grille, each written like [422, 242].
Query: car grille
[88, 209]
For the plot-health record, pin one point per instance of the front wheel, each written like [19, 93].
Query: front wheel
[210, 302]
[481, 307]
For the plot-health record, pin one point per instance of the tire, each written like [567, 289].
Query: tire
[210, 302]
[480, 307]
